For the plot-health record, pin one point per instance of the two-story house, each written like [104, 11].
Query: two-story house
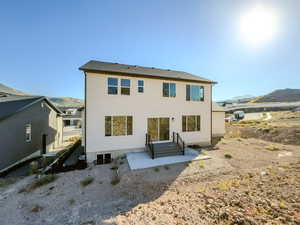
[123, 103]
[29, 126]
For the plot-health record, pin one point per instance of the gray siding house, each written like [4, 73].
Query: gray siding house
[28, 125]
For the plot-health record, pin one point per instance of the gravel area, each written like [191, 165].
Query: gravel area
[254, 186]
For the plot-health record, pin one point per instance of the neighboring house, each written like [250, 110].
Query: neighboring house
[218, 120]
[123, 103]
[72, 116]
[28, 124]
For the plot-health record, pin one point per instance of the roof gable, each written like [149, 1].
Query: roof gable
[13, 104]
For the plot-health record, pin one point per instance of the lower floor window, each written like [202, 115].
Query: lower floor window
[118, 125]
[104, 158]
[191, 123]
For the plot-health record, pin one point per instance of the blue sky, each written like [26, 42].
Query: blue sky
[42, 43]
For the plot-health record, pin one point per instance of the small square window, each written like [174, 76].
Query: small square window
[28, 132]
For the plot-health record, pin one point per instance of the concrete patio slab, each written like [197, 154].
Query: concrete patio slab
[142, 160]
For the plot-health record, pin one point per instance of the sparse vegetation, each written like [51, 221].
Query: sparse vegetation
[227, 156]
[87, 181]
[34, 168]
[115, 181]
[201, 190]
[44, 180]
[156, 169]
[114, 168]
[4, 182]
[228, 184]
[201, 164]
[272, 148]
[36, 208]
[71, 201]
[74, 139]
[166, 167]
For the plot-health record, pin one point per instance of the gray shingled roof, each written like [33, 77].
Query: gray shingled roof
[15, 103]
[96, 66]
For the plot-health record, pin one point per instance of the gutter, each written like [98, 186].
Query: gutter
[85, 109]
[211, 115]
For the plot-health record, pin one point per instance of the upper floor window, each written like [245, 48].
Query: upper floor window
[28, 132]
[118, 125]
[141, 86]
[169, 89]
[194, 93]
[191, 123]
[125, 87]
[112, 86]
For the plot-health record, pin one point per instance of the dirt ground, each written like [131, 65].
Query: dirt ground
[283, 127]
[254, 186]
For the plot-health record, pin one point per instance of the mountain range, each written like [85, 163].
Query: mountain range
[59, 102]
[281, 95]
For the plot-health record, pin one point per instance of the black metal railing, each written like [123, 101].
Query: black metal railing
[178, 140]
[149, 145]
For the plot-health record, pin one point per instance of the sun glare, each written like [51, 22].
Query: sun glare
[258, 25]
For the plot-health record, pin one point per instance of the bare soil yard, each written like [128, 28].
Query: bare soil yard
[284, 127]
[255, 183]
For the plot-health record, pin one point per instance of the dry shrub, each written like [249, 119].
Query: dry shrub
[44, 180]
[7, 181]
[227, 156]
[201, 164]
[228, 184]
[272, 148]
[37, 208]
[86, 181]
[74, 139]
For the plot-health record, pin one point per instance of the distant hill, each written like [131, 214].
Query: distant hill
[67, 102]
[281, 95]
[9, 90]
[239, 99]
[59, 102]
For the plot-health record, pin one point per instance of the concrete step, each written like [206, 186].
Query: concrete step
[162, 150]
[156, 155]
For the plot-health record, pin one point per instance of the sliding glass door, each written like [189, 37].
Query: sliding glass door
[159, 128]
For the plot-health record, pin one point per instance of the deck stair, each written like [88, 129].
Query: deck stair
[176, 147]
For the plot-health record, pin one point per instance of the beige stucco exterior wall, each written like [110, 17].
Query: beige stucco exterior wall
[141, 106]
[218, 121]
[55, 130]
